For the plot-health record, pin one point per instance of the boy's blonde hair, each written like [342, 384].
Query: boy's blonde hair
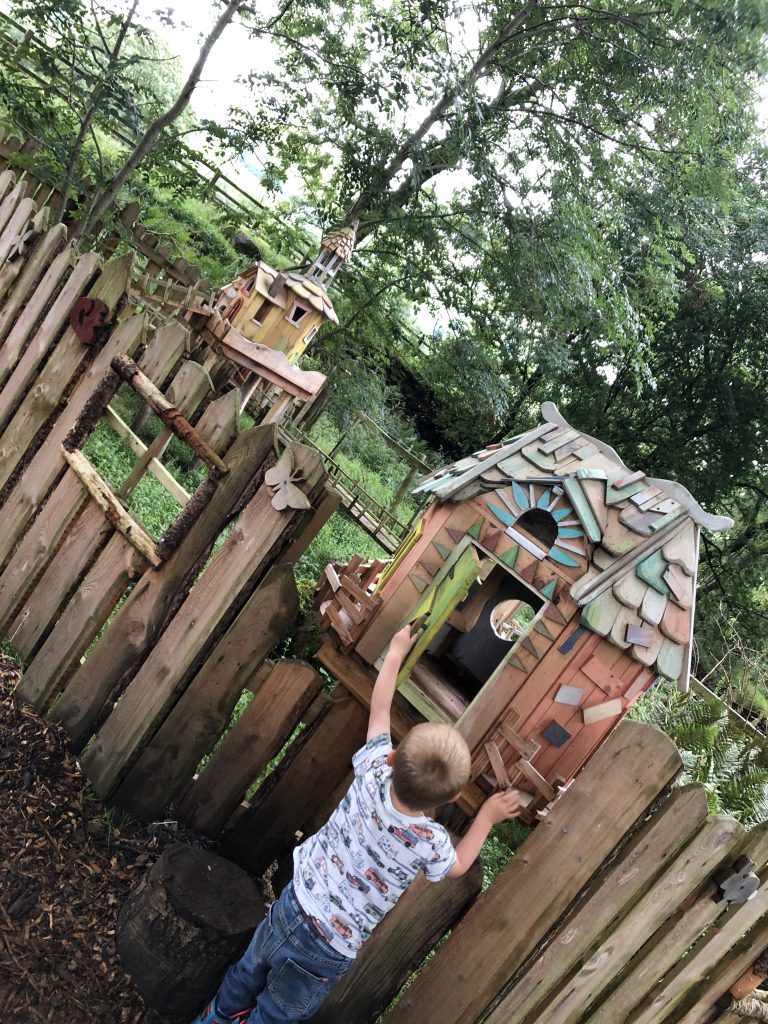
[432, 766]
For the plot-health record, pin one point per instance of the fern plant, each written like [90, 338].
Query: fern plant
[730, 760]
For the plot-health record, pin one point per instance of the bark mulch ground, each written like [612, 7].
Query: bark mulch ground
[65, 868]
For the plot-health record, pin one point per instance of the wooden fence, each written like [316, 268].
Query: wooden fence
[138, 645]
[141, 645]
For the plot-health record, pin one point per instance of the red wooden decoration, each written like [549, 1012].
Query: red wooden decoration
[86, 316]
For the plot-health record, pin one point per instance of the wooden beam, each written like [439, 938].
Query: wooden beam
[109, 504]
[155, 467]
[168, 413]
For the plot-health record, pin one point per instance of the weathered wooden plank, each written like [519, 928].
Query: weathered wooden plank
[671, 943]
[154, 466]
[202, 712]
[220, 423]
[14, 344]
[726, 951]
[256, 737]
[63, 364]
[423, 914]
[39, 545]
[10, 203]
[310, 772]
[34, 267]
[84, 539]
[168, 413]
[163, 351]
[611, 893]
[139, 620]
[16, 224]
[261, 530]
[710, 846]
[15, 386]
[85, 614]
[510, 919]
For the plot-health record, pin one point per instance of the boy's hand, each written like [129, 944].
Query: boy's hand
[401, 643]
[501, 806]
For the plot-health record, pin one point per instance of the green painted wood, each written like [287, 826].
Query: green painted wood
[549, 590]
[614, 495]
[600, 614]
[670, 517]
[545, 499]
[519, 495]
[669, 661]
[552, 446]
[567, 531]
[651, 571]
[475, 528]
[540, 627]
[582, 508]
[441, 549]
[438, 604]
[510, 557]
[561, 513]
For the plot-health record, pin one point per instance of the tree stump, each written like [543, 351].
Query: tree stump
[189, 918]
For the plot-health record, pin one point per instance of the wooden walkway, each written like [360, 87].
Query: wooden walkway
[379, 522]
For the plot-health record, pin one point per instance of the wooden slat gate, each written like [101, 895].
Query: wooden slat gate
[610, 912]
[187, 637]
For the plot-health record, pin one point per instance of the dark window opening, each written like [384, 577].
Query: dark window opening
[468, 648]
[540, 525]
[297, 314]
[261, 313]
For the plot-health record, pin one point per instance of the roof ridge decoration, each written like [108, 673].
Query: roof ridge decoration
[675, 490]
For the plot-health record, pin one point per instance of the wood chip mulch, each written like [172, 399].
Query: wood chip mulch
[65, 867]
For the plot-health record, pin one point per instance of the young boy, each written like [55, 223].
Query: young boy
[348, 875]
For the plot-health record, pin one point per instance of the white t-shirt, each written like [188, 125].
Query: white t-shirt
[352, 872]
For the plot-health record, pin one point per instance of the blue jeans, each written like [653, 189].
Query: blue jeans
[286, 972]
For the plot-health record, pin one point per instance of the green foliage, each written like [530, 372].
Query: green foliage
[731, 761]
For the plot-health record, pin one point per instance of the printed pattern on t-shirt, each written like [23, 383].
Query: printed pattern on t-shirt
[352, 872]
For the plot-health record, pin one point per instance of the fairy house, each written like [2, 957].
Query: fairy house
[284, 310]
[551, 586]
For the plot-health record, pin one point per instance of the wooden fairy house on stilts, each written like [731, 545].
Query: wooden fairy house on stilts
[551, 586]
[284, 310]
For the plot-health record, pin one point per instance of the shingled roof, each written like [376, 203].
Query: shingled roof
[639, 534]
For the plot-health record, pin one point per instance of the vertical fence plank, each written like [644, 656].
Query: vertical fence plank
[52, 383]
[82, 618]
[513, 916]
[722, 956]
[47, 465]
[35, 265]
[39, 545]
[313, 768]
[716, 840]
[256, 737]
[252, 545]
[423, 914]
[197, 719]
[610, 896]
[672, 942]
[81, 545]
[22, 372]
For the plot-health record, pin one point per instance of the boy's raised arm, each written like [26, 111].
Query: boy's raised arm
[386, 682]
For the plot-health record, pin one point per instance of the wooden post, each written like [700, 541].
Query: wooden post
[256, 737]
[289, 799]
[200, 715]
[191, 916]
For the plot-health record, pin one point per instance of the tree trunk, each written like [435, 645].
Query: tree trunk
[90, 112]
[101, 203]
[189, 918]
